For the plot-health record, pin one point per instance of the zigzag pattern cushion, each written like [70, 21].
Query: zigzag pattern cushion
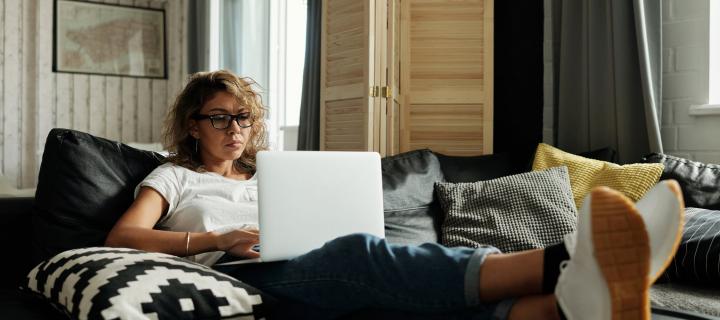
[117, 283]
[519, 212]
[633, 180]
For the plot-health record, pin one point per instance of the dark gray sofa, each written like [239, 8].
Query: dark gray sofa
[86, 182]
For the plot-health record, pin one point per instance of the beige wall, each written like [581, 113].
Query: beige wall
[685, 82]
[35, 99]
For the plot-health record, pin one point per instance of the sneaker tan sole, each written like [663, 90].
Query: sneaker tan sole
[622, 252]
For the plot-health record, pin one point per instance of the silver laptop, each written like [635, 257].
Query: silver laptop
[306, 198]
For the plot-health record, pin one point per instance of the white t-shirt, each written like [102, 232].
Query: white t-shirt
[203, 201]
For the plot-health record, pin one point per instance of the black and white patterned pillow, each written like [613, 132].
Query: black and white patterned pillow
[117, 283]
[513, 213]
[698, 256]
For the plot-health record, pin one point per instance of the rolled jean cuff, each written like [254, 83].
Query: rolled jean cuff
[472, 274]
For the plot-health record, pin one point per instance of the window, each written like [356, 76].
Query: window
[714, 88]
[713, 106]
[264, 40]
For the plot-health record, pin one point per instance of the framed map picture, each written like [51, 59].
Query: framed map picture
[109, 39]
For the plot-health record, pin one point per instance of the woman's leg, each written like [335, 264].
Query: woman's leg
[361, 271]
[511, 275]
[535, 307]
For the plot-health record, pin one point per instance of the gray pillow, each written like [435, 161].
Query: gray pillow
[410, 209]
[514, 213]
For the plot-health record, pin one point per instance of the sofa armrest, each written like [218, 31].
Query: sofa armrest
[16, 239]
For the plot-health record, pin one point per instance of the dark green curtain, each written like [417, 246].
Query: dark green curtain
[309, 129]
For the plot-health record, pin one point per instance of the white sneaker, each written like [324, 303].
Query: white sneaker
[662, 211]
[607, 275]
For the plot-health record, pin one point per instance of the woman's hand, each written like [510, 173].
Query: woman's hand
[239, 242]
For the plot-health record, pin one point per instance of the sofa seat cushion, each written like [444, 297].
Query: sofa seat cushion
[700, 182]
[633, 180]
[408, 198]
[519, 212]
[17, 304]
[15, 219]
[697, 259]
[113, 283]
[85, 184]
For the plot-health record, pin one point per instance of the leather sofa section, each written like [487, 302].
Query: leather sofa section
[486, 167]
[85, 184]
[16, 238]
[700, 182]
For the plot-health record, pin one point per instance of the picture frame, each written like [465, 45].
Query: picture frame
[109, 39]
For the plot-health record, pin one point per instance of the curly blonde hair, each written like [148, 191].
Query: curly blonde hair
[202, 87]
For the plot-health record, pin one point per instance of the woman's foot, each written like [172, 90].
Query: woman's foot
[609, 273]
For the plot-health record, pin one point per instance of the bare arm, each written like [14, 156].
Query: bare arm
[135, 230]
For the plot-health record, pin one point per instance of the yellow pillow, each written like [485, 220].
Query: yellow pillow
[633, 180]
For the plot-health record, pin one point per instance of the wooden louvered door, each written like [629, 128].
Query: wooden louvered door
[447, 76]
[347, 111]
[400, 75]
[391, 93]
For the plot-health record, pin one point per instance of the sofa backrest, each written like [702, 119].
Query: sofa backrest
[700, 182]
[85, 184]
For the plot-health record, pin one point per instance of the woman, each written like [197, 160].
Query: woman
[201, 204]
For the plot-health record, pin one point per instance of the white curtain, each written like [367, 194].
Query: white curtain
[245, 38]
[243, 42]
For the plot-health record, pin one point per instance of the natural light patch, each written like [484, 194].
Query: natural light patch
[714, 97]
[713, 105]
[264, 40]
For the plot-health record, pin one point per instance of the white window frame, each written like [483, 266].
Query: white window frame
[713, 105]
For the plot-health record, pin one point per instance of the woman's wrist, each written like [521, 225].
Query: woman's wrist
[187, 244]
[201, 242]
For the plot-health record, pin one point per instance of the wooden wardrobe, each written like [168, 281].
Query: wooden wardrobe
[400, 75]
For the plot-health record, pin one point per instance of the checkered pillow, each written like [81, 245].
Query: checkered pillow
[512, 213]
[116, 283]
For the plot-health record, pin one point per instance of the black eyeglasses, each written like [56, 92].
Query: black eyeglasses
[222, 121]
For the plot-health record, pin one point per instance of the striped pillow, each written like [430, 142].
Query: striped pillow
[114, 283]
[698, 257]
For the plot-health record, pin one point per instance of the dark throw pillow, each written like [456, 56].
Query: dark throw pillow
[698, 256]
[700, 182]
[85, 184]
[115, 283]
[513, 213]
[486, 167]
[410, 210]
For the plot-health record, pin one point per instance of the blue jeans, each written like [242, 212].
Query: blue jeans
[361, 271]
